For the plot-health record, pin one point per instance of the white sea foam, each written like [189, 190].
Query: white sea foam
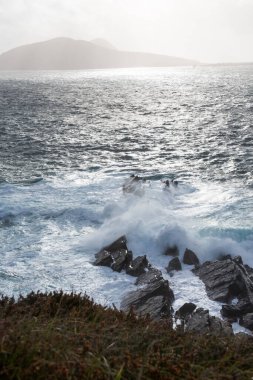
[159, 219]
[58, 225]
[66, 165]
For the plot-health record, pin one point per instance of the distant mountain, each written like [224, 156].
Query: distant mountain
[69, 54]
[103, 43]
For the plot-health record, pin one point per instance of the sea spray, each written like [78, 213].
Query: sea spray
[164, 124]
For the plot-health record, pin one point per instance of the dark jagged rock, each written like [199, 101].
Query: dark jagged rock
[103, 258]
[185, 310]
[138, 266]
[120, 243]
[238, 260]
[121, 260]
[233, 312]
[155, 299]
[152, 275]
[174, 264]
[116, 255]
[172, 251]
[247, 321]
[249, 271]
[190, 257]
[226, 280]
[201, 322]
[223, 256]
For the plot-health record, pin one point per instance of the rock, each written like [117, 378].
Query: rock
[116, 255]
[174, 264]
[238, 260]
[185, 310]
[172, 251]
[155, 307]
[201, 322]
[121, 260]
[233, 312]
[249, 271]
[190, 257]
[149, 277]
[226, 280]
[120, 243]
[134, 185]
[155, 299]
[138, 266]
[103, 258]
[223, 256]
[247, 321]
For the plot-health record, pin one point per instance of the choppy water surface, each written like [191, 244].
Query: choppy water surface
[68, 140]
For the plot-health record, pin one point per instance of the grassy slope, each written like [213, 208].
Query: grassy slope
[60, 336]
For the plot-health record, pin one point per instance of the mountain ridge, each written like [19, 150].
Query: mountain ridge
[64, 53]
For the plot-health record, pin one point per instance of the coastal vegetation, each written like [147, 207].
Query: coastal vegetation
[68, 336]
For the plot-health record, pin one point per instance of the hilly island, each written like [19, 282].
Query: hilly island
[70, 54]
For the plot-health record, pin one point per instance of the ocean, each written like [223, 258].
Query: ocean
[68, 142]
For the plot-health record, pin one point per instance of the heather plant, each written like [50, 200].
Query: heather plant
[67, 336]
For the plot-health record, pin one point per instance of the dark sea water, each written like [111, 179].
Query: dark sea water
[69, 140]
[197, 122]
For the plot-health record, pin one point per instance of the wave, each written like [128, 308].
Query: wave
[28, 182]
[182, 217]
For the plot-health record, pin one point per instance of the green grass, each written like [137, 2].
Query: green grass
[67, 336]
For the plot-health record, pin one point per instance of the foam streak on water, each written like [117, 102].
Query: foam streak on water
[69, 140]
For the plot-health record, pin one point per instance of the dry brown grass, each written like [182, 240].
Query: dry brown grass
[67, 336]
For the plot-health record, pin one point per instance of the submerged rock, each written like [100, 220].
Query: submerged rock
[172, 251]
[134, 185]
[201, 322]
[190, 258]
[155, 299]
[174, 264]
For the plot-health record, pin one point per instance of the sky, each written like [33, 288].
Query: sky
[205, 30]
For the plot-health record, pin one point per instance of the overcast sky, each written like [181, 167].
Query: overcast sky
[206, 30]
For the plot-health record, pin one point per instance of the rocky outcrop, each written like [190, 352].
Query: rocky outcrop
[185, 310]
[116, 255]
[233, 312]
[174, 264]
[120, 243]
[202, 323]
[138, 266]
[155, 299]
[149, 277]
[249, 271]
[190, 258]
[226, 280]
[247, 321]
